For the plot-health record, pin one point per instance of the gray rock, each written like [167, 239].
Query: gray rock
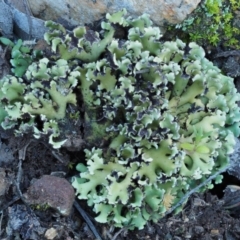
[6, 155]
[234, 167]
[14, 22]
[4, 182]
[6, 21]
[79, 12]
[27, 27]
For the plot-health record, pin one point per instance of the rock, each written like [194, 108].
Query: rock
[28, 27]
[231, 199]
[22, 6]
[51, 233]
[6, 21]
[4, 182]
[234, 166]
[74, 143]
[199, 229]
[6, 155]
[79, 12]
[21, 222]
[53, 191]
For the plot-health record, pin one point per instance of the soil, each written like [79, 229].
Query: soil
[209, 216]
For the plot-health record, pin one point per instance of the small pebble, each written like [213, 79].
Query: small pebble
[52, 191]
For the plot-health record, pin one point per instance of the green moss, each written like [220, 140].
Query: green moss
[212, 23]
[40, 207]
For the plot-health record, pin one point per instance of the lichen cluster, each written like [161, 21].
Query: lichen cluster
[43, 92]
[21, 55]
[159, 118]
[170, 118]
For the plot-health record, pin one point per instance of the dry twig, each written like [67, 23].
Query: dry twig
[87, 220]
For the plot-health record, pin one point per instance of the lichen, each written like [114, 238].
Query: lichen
[44, 92]
[159, 118]
[169, 119]
[21, 55]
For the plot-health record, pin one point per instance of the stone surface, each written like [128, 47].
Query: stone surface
[21, 5]
[53, 191]
[79, 12]
[4, 182]
[27, 27]
[234, 167]
[6, 155]
[51, 233]
[6, 21]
